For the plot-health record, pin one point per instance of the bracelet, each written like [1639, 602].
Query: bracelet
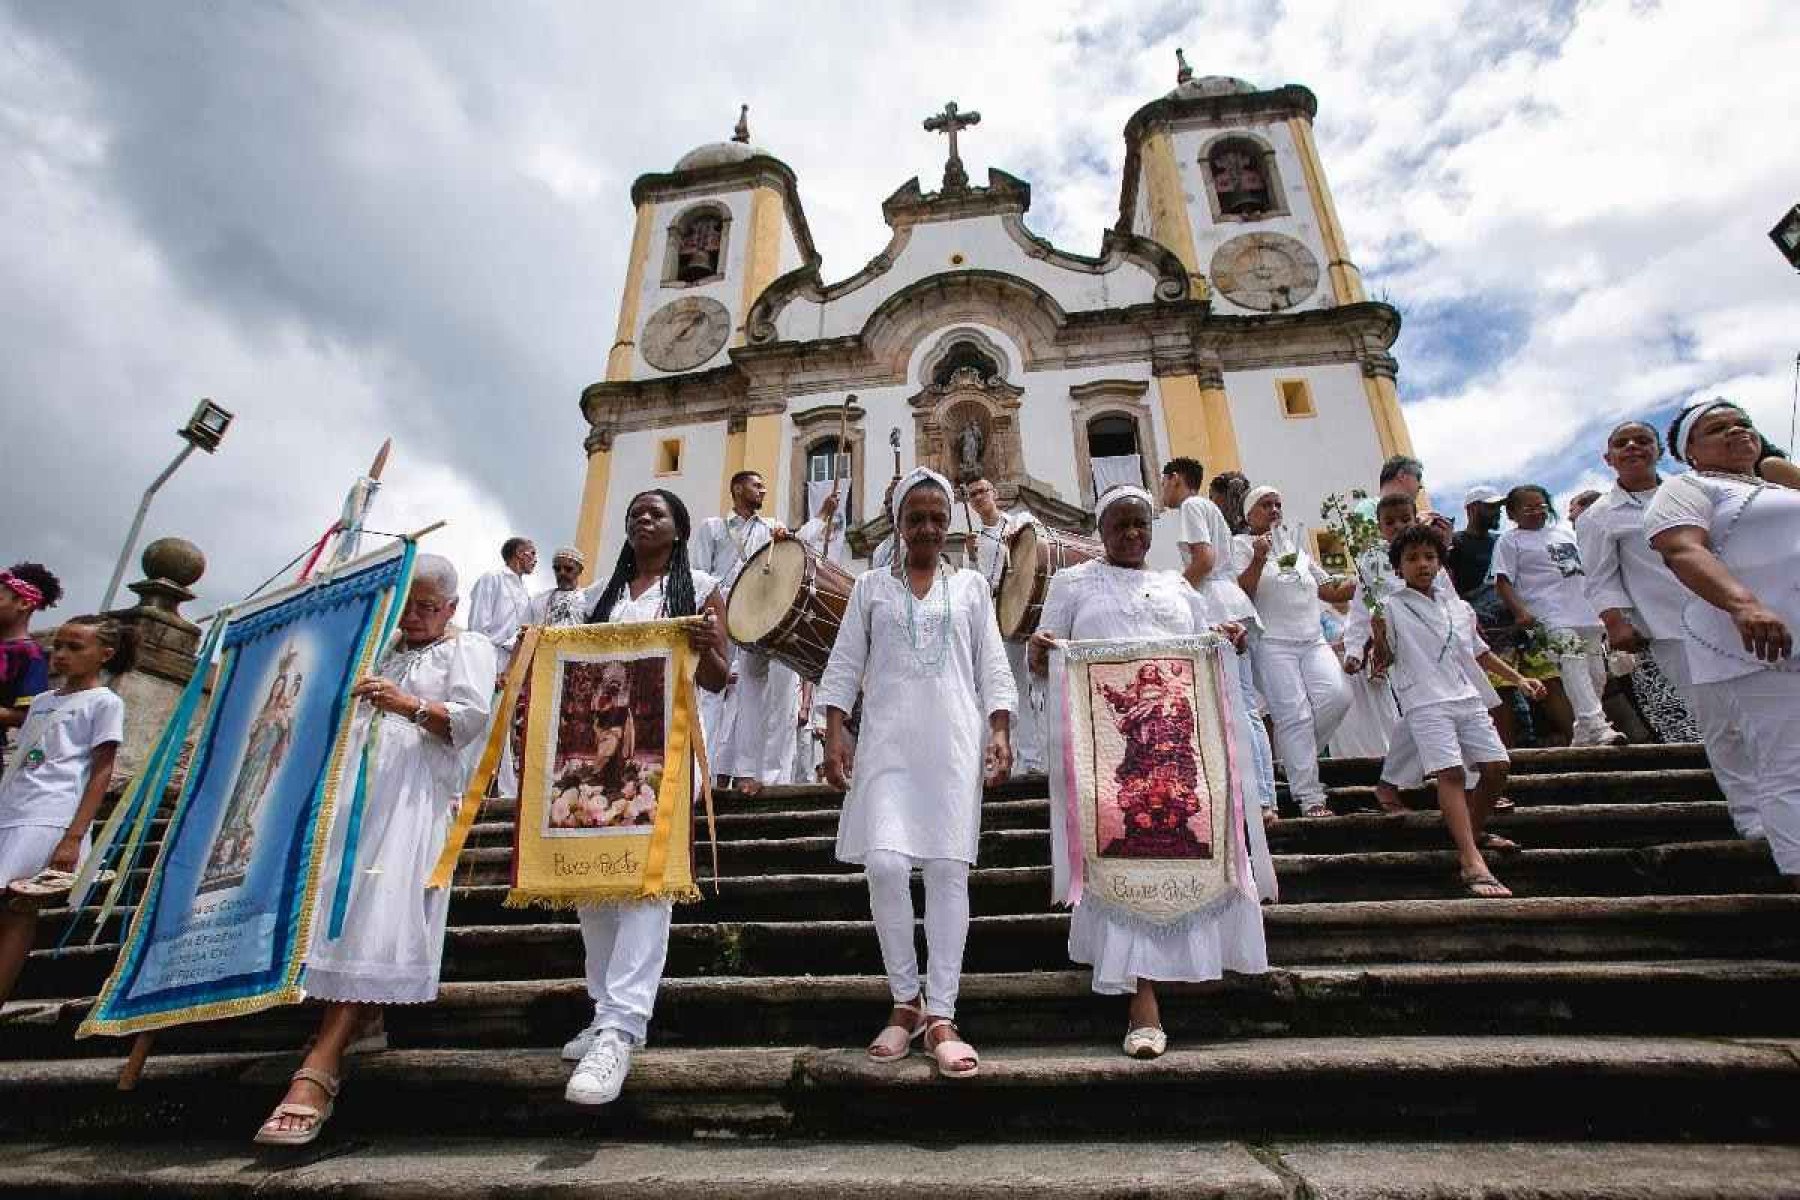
[422, 713]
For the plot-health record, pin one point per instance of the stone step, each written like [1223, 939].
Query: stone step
[1694, 997]
[1525, 930]
[1500, 1086]
[1532, 761]
[532, 1168]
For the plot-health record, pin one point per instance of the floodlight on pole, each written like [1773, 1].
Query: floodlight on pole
[1786, 236]
[203, 431]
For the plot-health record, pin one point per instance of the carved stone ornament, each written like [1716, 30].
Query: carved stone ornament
[967, 428]
[681, 335]
[1268, 272]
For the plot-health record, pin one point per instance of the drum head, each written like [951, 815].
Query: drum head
[765, 591]
[1022, 558]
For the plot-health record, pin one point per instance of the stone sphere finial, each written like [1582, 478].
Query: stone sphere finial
[175, 559]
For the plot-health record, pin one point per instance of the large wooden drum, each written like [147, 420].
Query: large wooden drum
[788, 603]
[1035, 553]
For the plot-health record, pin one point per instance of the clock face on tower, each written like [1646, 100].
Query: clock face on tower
[1268, 272]
[681, 335]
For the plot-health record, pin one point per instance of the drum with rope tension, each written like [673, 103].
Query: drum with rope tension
[788, 604]
[1034, 553]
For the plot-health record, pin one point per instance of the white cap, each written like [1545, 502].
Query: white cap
[1481, 493]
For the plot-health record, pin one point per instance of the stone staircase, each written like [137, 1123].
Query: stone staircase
[1628, 1025]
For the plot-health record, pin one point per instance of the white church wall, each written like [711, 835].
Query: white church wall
[1306, 457]
[699, 482]
[1301, 221]
[982, 243]
[727, 290]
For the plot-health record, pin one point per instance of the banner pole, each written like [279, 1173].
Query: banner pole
[134, 1062]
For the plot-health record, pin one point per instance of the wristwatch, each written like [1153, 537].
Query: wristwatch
[421, 713]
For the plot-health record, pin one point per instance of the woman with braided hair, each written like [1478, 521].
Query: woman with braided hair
[626, 944]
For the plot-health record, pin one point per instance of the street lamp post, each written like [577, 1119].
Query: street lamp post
[203, 431]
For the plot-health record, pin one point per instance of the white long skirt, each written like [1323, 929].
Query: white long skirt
[1366, 728]
[392, 944]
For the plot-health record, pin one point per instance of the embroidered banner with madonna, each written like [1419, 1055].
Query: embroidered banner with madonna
[227, 913]
[1154, 813]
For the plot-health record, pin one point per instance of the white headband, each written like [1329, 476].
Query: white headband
[1684, 428]
[920, 475]
[1256, 495]
[1118, 492]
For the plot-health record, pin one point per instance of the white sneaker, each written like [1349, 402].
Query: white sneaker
[576, 1048]
[601, 1073]
[1597, 733]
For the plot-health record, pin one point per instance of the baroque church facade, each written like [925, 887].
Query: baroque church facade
[1223, 319]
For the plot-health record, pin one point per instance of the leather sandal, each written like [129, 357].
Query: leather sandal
[950, 1050]
[1483, 886]
[268, 1135]
[893, 1042]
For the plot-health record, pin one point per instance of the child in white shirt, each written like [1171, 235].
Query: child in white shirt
[59, 772]
[1429, 637]
[1537, 572]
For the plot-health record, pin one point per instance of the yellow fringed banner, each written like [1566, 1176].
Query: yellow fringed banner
[607, 783]
[470, 806]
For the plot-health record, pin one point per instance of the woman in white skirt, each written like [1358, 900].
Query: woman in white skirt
[1116, 598]
[920, 642]
[1733, 539]
[1300, 678]
[427, 708]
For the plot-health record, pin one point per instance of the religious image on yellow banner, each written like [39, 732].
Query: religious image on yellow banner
[607, 756]
[609, 772]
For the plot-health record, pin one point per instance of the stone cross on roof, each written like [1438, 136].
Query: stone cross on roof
[952, 122]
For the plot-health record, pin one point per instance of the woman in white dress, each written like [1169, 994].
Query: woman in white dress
[1116, 598]
[426, 707]
[1298, 675]
[627, 944]
[921, 644]
[1733, 539]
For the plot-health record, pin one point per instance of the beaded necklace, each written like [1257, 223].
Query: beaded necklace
[929, 649]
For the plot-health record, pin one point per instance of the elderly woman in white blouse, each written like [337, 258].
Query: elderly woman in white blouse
[426, 708]
[1733, 539]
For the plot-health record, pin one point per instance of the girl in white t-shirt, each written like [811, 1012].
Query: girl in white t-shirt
[59, 771]
[1537, 572]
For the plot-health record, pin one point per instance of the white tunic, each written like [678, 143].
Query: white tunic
[1288, 608]
[1093, 601]
[1622, 570]
[499, 604]
[393, 938]
[928, 691]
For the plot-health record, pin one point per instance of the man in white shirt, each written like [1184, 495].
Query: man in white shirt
[826, 519]
[567, 603]
[751, 735]
[499, 604]
[992, 528]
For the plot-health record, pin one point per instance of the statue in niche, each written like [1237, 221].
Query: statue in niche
[971, 444]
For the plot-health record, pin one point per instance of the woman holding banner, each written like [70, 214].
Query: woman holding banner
[1117, 599]
[379, 938]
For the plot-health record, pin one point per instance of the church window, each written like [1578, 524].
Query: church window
[824, 464]
[696, 251]
[964, 354]
[1241, 174]
[1113, 457]
[1296, 398]
[668, 456]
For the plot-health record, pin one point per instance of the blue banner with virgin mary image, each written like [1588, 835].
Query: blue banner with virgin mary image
[227, 913]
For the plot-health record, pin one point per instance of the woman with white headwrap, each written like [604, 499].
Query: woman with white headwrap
[920, 642]
[1117, 598]
[1733, 539]
[1296, 670]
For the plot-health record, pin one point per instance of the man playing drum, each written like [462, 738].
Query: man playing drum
[752, 738]
[991, 534]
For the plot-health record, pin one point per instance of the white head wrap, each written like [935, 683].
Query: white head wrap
[1118, 492]
[918, 476]
[1684, 428]
[1255, 496]
[572, 554]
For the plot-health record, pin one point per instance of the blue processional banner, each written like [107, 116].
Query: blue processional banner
[227, 914]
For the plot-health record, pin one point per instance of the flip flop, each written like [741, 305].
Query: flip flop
[1498, 844]
[1484, 887]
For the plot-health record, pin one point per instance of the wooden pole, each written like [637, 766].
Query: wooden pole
[134, 1062]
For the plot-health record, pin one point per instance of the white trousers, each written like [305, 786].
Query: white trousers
[1584, 682]
[626, 946]
[1726, 750]
[1750, 725]
[1307, 694]
[1027, 724]
[1259, 782]
[946, 925]
[756, 740]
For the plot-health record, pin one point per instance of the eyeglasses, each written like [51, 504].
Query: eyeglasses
[426, 608]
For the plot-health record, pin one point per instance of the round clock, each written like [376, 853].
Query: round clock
[1268, 272]
[681, 335]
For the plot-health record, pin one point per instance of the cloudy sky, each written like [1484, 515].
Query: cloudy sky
[345, 221]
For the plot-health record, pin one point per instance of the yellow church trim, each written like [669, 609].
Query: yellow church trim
[1346, 282]
[762, 253]
[757, 448]
[1390, 422]
[591, 522]
[1168, 204]
[1198, 423]
[619, 360]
